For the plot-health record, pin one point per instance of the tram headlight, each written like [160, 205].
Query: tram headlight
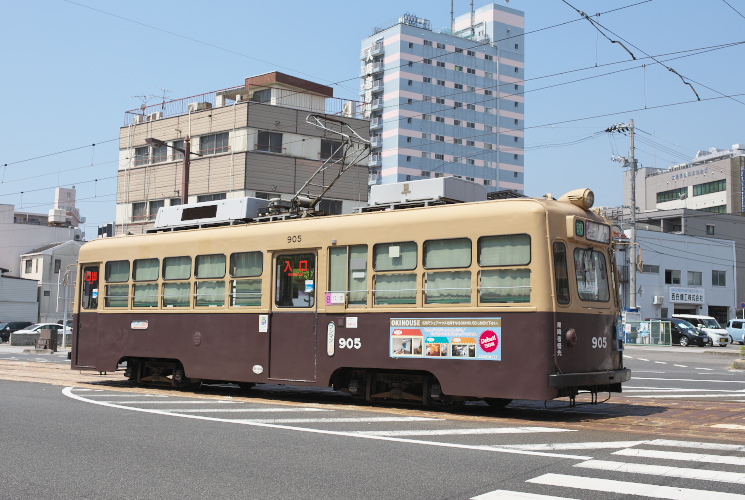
[583, 198]
[571, 337]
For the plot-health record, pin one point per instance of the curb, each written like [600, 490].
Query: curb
[739, 364]
[732, 354]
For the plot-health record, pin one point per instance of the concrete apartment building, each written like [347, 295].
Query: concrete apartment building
[250, 140]
[447, 102]
[712, 182]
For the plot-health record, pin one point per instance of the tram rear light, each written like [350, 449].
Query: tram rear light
[571, 337]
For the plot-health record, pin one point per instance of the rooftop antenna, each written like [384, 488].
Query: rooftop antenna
[473, 21]
[165, 94]
[452, 16]
[144, 99]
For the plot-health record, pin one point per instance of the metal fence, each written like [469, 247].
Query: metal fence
[648, 332]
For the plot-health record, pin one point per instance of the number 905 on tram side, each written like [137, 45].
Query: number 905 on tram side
[494, 300]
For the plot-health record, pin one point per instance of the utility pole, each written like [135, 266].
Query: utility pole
[631, 163]
[187, 160]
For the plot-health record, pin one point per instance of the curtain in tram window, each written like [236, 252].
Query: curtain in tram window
[338, 269]
[439, 254]
[177, 268]
[358, 274]
[146, 270]
[210, 266]
[395, 288]
[117, 295]
[246, 293]
[117, 271]
[246, 264]
[176, 294]
[211, 293]
[395, 256]
[505, 285]
[507, 250]
[146, 295]
[449, 287]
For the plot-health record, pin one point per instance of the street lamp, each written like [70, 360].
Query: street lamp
[187, 160]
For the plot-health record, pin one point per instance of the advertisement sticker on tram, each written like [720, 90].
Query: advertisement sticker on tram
[446, 338]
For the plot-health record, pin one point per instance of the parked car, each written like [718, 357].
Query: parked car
[39, 326]
[717, 334]
[684, 333]
[736, 330]
[11, 326]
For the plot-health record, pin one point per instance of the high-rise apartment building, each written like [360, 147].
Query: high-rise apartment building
[447, 102]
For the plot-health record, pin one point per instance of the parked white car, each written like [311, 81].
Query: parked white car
[45, 326]
[717, 334]
[736, 330]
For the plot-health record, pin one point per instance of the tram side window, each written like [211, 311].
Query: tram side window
[592, 275]
[246, 292]
[561, 271]
[89, 300]
[145, 294]
[176, 293]
[210, 292]
[117, 295]
[348, 273]
[504, 285]
[448, 287]
[395, 288]
[296, 280]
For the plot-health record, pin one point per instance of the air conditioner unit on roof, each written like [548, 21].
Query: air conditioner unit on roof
[155, 116]
[198, 106]
[139, 119]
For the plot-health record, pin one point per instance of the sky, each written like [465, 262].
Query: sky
[71, 69]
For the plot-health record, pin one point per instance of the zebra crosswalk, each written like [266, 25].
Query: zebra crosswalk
[630, 476]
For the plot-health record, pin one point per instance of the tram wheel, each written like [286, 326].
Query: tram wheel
[497, 403]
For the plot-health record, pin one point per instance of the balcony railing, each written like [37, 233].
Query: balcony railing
[376, 123]
[375, 160]
[373, 50]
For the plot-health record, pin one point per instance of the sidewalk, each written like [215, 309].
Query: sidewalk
[6, 348]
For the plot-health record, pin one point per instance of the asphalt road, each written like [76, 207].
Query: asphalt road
[100, 440]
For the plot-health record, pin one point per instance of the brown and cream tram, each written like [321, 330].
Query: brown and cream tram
[494, 300]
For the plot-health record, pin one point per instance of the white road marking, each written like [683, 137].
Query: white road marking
[334, 420]
[68, 391]
[729, 395]
[707, 369]
[629, 488]
[575, 446]
[516, 495]
[693, 380]
[125, 395]
[244, 410]
[662, 470]
[660, 362]
[642, 359]
[461, 432]
[666, 389]
[648, 371]
[730, 426]
[678, 455]
[681, 366]
[699, 445]
[203, 402]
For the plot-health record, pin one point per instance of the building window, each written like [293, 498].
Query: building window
[487, 182]
[456, 123]
[710, 187]
[331, 149]
[439, 157]
[411, 45]
[458, 68]
[515, 158]
[719, 209]
[471, 106]
[515, 121]
[719, 278]
[471, 89]
[672, 277]
[710, 229]
[488, 146]
[470, 125]
[411, 63]
[487, 164]
[488, 92]
[142, 155]
[160, 154]
[516, 104]
[441, 83]
[408, 120]
[408, 139]
[470, 53]
[264, 95]
[440, 100]
[470, 143]
[211, 197]
[153, 207]
[214, 144]
[28, 263]
[470, 71]
[440, 119]
[425, 154]
[458, 86]
[517, 46]
[426, 117]
[410, 83]
[175, 154]
[425, 135]
[428, 43]
[516, 139]
[457, 104]
[649, 269]
[174, 202]
[269, 142]
[427, 61]
[516, 70]
[488, 128]
[440, 45]
[427, 79]
[488, 57]
[470, 161]
[440, 64]
[671, 195]
[139, 211]
[408, 158]
[458, 50]
[694, 278]
[457, 141]
[440, 138]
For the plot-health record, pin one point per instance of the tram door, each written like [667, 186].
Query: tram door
[292, 325]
